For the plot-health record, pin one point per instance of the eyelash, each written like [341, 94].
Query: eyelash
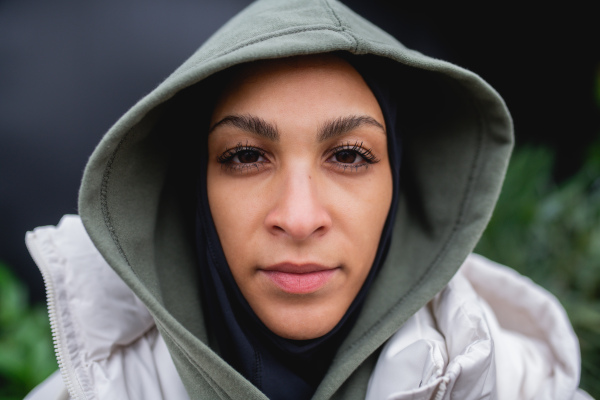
[227, 157]
[357, 147]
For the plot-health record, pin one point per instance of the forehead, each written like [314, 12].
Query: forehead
[304, 83]
[281, 68]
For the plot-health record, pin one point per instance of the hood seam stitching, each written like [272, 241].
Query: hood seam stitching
[104, 201]
[340, 25]
[278, 34]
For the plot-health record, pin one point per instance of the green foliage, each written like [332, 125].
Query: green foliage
[26, 350]
[551, 233]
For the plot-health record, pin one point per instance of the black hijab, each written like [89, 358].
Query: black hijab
[282, 368]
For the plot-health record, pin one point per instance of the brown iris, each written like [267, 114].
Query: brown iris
[248, 156]
[345, 157]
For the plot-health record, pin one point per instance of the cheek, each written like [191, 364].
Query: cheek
[360, 214]
[379, 197]
[225, 209]
[236, 207]
[365, 206]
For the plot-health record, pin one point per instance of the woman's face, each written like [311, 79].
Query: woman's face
[299, 187]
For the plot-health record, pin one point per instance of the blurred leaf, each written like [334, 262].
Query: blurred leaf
[551, 233]
[12, 297]
[26, 350]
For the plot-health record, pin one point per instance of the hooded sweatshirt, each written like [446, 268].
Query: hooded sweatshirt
[137, 204]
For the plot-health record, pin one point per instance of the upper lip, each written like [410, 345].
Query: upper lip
[293, 268]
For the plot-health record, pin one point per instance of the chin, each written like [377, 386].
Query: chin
[301, 332]
[301, 324]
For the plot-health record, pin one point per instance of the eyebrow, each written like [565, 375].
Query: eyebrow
[328, 130]
[250, 123]
[339, 126]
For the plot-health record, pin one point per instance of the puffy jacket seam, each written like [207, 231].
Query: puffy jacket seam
[263, 38]
[457, 224]
[51, 265]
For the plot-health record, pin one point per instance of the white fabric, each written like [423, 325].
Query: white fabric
[490, 334]
[108, 346]
[52, 388]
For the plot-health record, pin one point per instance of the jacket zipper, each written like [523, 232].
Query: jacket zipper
[57, 335]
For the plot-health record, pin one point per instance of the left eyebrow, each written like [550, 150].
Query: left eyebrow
[342, 125]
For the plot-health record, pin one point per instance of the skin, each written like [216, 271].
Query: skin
[288, 192]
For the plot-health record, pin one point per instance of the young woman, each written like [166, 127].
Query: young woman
[286, 215]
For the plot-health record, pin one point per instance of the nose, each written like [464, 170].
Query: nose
[299, 212]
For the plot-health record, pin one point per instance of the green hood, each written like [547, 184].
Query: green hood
[135, 197]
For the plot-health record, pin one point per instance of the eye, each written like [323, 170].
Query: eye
[353, 156]
[243, 159]
[347, 157]
[247, 157]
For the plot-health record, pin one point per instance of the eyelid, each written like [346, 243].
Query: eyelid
[366, 154]
[367, 157]
[226, 157]
[356, 146]
[231, 152]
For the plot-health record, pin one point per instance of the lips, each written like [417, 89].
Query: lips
[299, 278]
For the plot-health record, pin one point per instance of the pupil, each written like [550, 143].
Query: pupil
[346, 157]
[247, 156]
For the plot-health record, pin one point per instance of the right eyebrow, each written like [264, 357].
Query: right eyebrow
[342, 125]
[251, 124]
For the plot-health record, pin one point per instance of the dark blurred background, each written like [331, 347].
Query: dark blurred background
[69, 69]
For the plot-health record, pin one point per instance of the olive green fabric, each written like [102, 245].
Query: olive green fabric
[135, 200]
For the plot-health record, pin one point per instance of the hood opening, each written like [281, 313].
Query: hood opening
[137, 201]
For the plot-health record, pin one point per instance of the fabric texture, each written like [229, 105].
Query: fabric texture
[138, 206]
[476, 340]
[106, 341]
[490, 333]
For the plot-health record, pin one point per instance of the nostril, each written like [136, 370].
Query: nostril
[298, 213]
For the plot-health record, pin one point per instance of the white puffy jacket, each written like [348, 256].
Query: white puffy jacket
[490, 334]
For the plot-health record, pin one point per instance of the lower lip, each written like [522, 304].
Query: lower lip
[300, 283]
